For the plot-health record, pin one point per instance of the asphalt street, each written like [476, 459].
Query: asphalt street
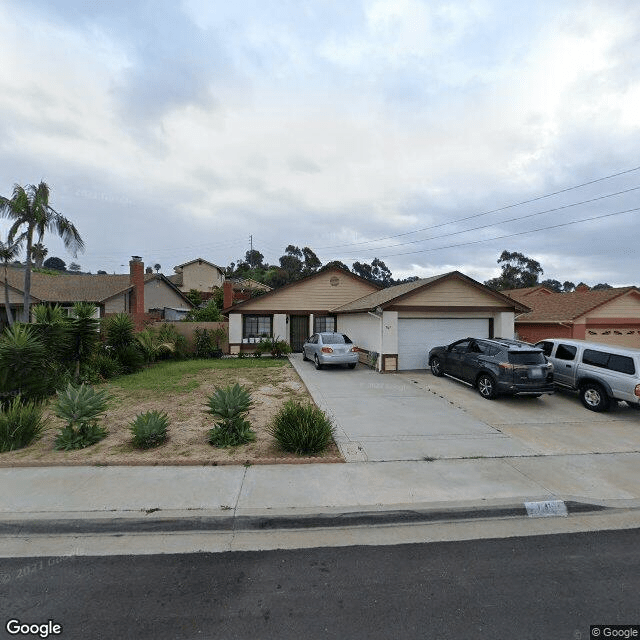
[539, 587]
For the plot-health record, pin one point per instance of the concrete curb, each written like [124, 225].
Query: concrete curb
[237, 523]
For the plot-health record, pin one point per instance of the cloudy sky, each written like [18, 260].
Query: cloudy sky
[430, 134]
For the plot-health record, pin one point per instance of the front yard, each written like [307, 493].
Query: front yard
[181, 389]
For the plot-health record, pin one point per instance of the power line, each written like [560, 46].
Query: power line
[516, 219]
[486, 213]
[509, 235]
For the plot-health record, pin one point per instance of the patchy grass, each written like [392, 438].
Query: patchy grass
[181, 390]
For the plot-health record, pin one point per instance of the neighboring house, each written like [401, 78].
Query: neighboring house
[395, 327]
[198, 274]
[610, 316]
[135, 293]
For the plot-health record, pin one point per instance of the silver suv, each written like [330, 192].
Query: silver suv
[601, 373]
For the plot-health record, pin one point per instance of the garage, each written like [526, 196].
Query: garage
[416, 336]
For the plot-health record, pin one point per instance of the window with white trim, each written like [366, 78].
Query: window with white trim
[256, 326]
[324, 323]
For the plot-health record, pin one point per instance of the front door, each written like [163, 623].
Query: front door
[299, 332]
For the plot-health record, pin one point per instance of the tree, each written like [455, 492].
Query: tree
[554, 285]
[75, 267]
[55, 263]
[254, 259]
[376, 272]
[336, 264]
[29, 209]
[518, 271]
[9, 251]
[601, 285]
[38, 254]
[157, 266]
[568, 286]
[311, 261]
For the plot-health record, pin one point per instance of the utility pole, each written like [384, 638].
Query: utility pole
[251, 243]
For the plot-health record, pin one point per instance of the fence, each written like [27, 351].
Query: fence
[188, 330]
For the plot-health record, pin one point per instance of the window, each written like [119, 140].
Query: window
[547, 347]
[459, 347]
[623, 364]
[324, 323]
[335, 338]
[566, 352]
[596, 358]
[255, 326]
[526, 357]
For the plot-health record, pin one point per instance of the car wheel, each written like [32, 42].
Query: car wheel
[486, 386]
[317, 362]
[436, 367]
[304, 356]
[352, 365]
[594, 397]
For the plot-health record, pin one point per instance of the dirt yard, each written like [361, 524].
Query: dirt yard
[185, 404]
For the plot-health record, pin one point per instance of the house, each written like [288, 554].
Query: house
[200, 275]
[610, 316]
[394, 327]
[135, 293]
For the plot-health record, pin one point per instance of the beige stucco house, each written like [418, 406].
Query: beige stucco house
[198, 274]
[394, 327]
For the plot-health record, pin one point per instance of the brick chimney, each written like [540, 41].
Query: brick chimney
[227, 299]
[136, 278]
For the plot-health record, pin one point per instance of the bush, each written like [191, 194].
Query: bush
[121, 342]
[230, 406]
[106, 366]
[203, 343]
[80, 407]
[152, 346]
[130, 358]
[208, 313]
[302, 429]
[20, 425]
[23, 366]
[149, 429]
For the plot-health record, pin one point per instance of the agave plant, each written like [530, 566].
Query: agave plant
[230, 405]
[80, 406]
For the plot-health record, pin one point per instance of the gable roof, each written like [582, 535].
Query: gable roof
[65, 287]
[566, 307]
[520, 294]
[199, 261]
[162, 278]
[295, 283]
[391, 295]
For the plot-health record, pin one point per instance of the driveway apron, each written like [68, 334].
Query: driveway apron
[388, 417]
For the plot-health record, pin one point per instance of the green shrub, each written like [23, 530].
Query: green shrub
[80, 407]
[106, 366]
[149, 429]
[152, 346]
[83, 328]
[23, 366]
[119, 331]
[230, 405]
[208, 313]
[302, 429]
[20, 425]
[203, 343]
[130, 358]
[169, 334]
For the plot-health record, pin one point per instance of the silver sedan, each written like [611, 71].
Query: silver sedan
[330, 347]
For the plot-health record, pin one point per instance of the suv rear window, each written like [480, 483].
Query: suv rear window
[526, 357]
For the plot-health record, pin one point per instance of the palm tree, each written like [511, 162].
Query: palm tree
[29, 207]
[39, 253]
[9, 251]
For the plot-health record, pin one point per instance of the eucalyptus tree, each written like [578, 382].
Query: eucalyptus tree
[30, 213]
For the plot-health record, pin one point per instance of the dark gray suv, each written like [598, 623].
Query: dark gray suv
[495, 366]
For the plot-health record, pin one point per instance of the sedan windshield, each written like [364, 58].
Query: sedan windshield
[526, 357]
[335, 338]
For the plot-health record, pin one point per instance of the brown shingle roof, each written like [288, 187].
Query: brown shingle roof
[65, 287]
[391, 294]
[565, 307]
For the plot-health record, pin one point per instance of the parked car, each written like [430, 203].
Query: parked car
[599, 372]
[495, 366]
[330, 347]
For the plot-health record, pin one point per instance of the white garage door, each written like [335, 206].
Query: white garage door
[416, 336]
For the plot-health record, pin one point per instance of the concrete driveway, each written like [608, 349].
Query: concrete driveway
[416, 416]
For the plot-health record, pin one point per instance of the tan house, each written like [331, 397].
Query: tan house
[394, 327]
[136, 293]
[610, 316]
[198, 274]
